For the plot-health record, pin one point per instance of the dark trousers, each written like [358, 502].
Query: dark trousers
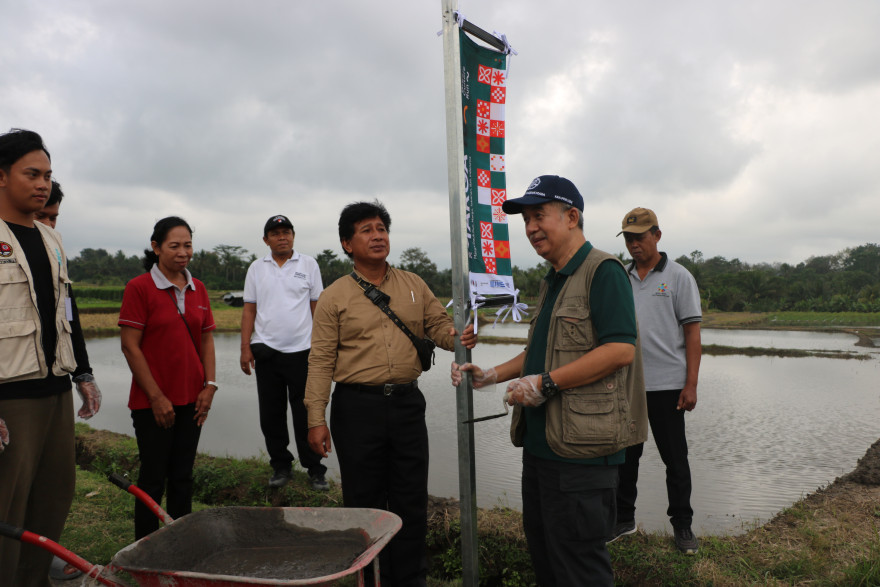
[281, 379]
[667, 427]
[568, 514]
[37, 477]
[167, 456]
[382, 446]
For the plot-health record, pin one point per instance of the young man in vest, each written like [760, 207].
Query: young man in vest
[280, 294]
[577, 388]
[37, 470]
[669, 312]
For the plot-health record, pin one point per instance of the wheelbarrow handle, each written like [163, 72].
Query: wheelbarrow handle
[93, 571]
[119, 481]
[142, 495]
[10, 531]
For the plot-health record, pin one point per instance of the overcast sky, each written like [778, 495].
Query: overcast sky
[750, 127]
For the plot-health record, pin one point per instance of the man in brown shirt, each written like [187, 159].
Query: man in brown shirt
[378, 411]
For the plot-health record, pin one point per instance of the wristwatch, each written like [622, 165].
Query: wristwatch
[214, 383]
[548, 386]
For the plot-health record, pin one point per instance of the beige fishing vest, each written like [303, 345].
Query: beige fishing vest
[600, 418]
[21, 353]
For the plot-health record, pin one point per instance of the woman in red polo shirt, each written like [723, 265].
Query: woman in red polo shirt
[166, 325]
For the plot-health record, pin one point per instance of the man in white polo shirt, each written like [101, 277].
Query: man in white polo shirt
[669, 315]
[280, 294]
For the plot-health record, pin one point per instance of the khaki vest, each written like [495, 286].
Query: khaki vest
[602, 417]
[21, 353]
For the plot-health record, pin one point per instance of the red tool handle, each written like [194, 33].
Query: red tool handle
[139, 493]
[56, 549]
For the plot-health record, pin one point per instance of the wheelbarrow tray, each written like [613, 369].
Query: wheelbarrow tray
[233, 546]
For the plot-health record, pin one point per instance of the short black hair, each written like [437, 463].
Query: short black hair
[16, 144]
[160, 234]
[56, 196]
[357, 211]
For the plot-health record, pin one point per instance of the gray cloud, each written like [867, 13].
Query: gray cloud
[749, 127]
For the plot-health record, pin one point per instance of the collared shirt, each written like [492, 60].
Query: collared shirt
[163, 282]
[666, 299]
[283, 296]
[354, 342]
[612, 314]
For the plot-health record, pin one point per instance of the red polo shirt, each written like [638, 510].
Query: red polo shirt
[174, 361]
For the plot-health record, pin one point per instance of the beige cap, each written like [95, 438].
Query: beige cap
[638, 220]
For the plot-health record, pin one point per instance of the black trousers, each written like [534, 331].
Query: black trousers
[382, 446]
[281, 379]
[167, 456]
[568, 514]
[668, 429]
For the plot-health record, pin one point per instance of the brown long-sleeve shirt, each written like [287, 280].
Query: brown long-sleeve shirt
[354, 342]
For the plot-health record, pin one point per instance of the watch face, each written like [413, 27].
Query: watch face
[548, 387]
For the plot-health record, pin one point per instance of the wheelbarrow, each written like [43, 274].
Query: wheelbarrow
[234, 546]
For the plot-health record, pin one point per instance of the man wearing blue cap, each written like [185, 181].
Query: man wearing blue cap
[578, 390]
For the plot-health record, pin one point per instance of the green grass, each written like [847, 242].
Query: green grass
[829, 538]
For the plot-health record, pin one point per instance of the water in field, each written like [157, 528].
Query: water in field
[766, 430]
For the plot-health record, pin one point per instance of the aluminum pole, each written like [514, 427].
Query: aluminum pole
[467, 486]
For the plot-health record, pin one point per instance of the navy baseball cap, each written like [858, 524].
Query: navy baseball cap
[543, 189]
[278, 221]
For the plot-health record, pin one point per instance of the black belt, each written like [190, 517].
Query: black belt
[387, 389]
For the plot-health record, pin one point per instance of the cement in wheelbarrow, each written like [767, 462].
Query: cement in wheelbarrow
[262, 546]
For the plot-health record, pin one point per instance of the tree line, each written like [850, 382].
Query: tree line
[848, 281]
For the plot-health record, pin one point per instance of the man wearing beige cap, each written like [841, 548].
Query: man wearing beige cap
[668, 310]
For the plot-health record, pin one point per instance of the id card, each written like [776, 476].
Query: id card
[68, 308]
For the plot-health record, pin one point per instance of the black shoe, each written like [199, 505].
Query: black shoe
[319, 483]
[622, 529]
[685, 541]
[280, 478]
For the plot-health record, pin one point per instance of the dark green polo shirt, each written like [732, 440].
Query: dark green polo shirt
[613, 314]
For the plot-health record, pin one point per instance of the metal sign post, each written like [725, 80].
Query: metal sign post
[467, 486]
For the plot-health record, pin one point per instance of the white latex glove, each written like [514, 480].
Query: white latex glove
[4, 435]
[479, 378]
[526, 391]
[91, 395]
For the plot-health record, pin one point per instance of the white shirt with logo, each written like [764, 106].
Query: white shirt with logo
[283, 295]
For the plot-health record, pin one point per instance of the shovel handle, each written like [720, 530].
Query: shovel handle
[142, 495]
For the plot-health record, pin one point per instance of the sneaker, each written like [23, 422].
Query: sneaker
[685, 541]
[280, 478]
[319, 483]
[622, 529]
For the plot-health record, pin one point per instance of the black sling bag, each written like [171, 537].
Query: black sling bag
[424, 346]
